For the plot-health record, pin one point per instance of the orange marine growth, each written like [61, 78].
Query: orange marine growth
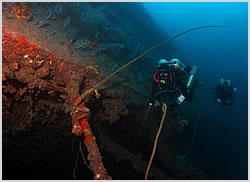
[88, 138]
[22, 10]
[74, 99]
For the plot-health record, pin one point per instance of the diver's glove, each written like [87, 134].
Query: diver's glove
[180, 99]
[154, 103]
[151, 101]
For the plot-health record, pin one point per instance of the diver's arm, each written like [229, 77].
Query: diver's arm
[187, 69]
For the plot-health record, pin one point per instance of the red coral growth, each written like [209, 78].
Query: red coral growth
[94, 155]
[84, 124]
[24, 50]
[22, 40]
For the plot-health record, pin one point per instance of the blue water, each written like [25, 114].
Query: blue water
[223, 153]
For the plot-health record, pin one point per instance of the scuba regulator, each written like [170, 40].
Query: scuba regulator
[172, 65]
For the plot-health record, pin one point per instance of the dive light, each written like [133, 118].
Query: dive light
[191, 78]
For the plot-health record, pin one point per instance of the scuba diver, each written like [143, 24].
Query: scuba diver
[173, 83]
[225, 92]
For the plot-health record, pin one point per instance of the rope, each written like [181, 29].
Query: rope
[191, 144]
[166, 41]
[194, 135]
[83, 158]
[164, 109]
[77, 157]
[76, 164]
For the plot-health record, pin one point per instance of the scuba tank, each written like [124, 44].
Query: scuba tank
[193, 73]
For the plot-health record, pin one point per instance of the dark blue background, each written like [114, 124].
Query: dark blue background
[220, 148]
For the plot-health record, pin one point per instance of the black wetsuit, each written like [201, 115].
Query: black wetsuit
[225, 93]
[175, 85]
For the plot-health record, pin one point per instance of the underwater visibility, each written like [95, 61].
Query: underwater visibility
[125, 90]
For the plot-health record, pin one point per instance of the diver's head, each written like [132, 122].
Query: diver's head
[175, 61]
[177, 64]
[162, 62]
[225, 82]
[222, 81]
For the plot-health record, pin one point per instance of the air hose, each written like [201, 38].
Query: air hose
[186, 154]
[166, 41]
[164, 109]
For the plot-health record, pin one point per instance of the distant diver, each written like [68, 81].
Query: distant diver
[173, 83]
[225, 92]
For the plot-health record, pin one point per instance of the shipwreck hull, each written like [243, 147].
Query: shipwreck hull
[44, 139]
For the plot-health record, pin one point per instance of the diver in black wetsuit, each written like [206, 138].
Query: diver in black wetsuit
[173, 83]
[225, 92]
